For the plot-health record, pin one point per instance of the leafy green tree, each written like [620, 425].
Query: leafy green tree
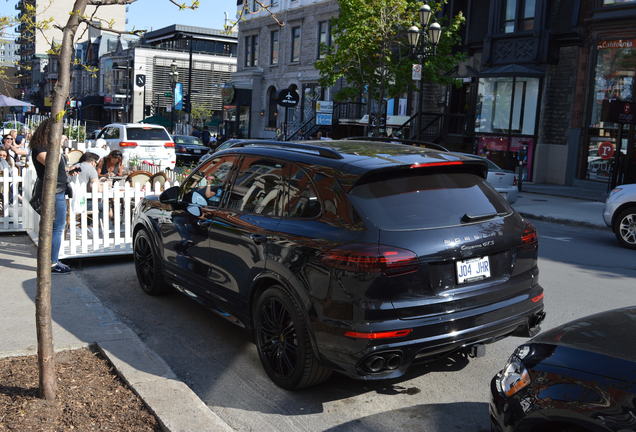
[371, 52]
[200, 114]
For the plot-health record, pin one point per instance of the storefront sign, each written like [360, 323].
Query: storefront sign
[615, 111]
[227, 94]
[606, 150]
[288, 98]
[620, 43]
[324, 106]
[323, 119]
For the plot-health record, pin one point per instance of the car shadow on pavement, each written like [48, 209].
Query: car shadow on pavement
[441, 417]
[219, 361]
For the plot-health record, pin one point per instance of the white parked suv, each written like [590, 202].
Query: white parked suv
[144, 142]
[620, 214]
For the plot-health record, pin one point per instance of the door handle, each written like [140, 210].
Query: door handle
[204, 223]
[258, 238]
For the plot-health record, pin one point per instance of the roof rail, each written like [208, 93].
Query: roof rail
[426, 144]
[322, 151]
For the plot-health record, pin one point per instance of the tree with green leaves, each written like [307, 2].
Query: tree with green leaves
[371, 51]
[78, 21]
[200, 114]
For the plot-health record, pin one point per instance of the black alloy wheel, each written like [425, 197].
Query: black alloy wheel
[147, 265]
[283, 343]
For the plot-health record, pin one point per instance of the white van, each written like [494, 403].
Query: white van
[144, 142]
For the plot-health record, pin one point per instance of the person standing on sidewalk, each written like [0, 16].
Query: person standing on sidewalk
[39, 147]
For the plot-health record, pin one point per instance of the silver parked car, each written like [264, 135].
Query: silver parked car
[620, 214]
[504, 181]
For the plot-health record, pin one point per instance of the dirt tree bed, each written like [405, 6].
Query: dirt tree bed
[90, 397]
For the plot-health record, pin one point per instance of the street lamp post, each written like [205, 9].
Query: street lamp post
[174, 79]
[423, 43]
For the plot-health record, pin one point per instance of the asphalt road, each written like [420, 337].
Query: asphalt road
[583, 271]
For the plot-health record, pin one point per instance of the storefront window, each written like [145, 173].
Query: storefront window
[615, 72]
[506, 119]
[498, 98]
[615, 2]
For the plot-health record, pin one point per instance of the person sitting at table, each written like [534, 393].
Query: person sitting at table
[85, 168]
[111, 165]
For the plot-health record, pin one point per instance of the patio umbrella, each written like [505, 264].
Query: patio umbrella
[6, 101]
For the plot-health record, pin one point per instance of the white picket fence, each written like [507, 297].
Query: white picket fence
[99, 222]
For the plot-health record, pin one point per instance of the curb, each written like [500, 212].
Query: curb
[563, 221]
[176, 406]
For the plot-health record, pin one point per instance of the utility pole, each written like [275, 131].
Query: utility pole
[188, 107]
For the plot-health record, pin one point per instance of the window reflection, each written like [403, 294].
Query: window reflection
[258, 187]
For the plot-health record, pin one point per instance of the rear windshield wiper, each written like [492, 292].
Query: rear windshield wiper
[475, 218]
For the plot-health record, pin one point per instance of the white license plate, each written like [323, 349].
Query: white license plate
[197, 151]
[473, 269]
[150, 149]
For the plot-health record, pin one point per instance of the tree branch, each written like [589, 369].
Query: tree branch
[98, 26]
[110, 2]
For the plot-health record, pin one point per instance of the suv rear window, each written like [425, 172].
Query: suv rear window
[150, 134]
[420, 201]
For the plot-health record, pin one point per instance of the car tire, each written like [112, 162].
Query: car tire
[283, 341]
[148, 265]
[625, 227]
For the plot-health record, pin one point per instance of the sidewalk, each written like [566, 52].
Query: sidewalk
[570, 211]
[80, 319]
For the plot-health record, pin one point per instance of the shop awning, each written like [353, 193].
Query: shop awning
[510, 70]
[157, 119]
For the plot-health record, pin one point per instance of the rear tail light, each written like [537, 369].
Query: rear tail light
[127, 144]
[529, 235]
[538, 298]
[379, 335]
[369, 258]
[434, 164]
[515, 181]
[169, 144]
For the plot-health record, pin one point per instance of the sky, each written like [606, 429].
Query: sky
[155, 14]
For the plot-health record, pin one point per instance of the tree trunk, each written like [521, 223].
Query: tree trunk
[46, 357]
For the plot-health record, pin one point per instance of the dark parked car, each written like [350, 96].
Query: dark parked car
[579, 377]
[188, 149]
[359, 257]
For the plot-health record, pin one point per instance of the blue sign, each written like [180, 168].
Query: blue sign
[178, 96]
[323, 119]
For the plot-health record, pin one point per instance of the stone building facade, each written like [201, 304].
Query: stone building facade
[273, 57]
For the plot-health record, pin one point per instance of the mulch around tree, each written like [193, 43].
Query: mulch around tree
[90, 397]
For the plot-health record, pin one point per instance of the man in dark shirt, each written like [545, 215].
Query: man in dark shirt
[205, 136]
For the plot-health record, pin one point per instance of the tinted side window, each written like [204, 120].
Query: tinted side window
[210, 180]
[302, 200]
[258, 187]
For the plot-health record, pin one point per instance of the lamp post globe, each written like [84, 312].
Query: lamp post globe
[413, 34]
[434, 33]
[425, 14]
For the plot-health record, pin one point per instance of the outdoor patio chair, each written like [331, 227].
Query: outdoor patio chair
[159, 177]
[139, 177]
[74, 156]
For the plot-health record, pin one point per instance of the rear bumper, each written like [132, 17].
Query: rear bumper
[430, 339]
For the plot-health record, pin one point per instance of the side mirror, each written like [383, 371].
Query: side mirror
[170, 195]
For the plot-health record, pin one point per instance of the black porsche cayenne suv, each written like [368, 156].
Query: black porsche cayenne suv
[359, 257]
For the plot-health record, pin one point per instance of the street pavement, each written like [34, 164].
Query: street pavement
[159, 343]
[583, 271]
[80, 320]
